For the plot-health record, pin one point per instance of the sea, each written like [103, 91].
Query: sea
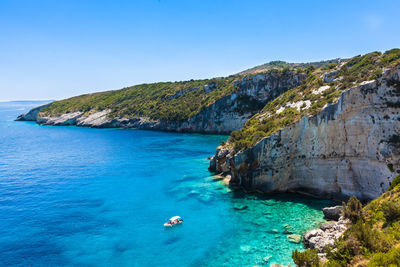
[73, 196]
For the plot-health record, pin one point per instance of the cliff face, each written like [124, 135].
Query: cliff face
[223, 116]
[350, 148]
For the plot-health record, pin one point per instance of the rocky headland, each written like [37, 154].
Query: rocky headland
[350, 147]
[222, 116]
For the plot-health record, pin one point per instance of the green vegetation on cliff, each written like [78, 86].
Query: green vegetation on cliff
[167, 101]
[373, 238]
[326, 64]
[312, 96]
[171, 101]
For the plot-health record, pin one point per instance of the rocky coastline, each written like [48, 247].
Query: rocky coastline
[349, 148]
[327, 233]
[227, 114]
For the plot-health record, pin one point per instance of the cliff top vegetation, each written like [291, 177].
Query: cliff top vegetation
[278, 64]
[323, 86]
[169, 101]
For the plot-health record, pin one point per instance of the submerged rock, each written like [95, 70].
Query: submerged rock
[245, 248]
[287, 232]
[267, 258]
[240, 207]
[294, 238]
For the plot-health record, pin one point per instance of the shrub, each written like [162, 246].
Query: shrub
[391, 211]
[390, 167]
[371, 239]
[345, 249]
[395, 182]
[307, 258]
[391, 258]
[352, 210]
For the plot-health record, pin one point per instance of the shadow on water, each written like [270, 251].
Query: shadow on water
[311, 202]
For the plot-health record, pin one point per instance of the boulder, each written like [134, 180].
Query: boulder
[333, 213]
[294, 238]
[326, 235]
[240, 207]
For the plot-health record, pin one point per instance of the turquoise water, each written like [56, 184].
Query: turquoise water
[74, 196]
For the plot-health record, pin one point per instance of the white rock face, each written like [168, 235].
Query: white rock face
[94, 120]
[64, 119]
[342, 151]
[280, 110]
[297, 105]
[300, 105]
[321, 90]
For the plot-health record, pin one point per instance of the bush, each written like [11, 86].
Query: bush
[360, 239]
[371, 239]
[391, 211]
[395, 182]
[345, 249]
[307, 258]
[391, 258]
[390, 167]
[352, 210]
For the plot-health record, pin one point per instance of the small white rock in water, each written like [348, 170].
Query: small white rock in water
[294, 238]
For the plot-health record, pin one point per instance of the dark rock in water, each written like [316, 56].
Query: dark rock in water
[171, 240]
[241, 207]
[333, 213]
[287, 232]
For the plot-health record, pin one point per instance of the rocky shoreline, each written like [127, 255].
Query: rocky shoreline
[350, 148]
[328, 232]
[225, 115]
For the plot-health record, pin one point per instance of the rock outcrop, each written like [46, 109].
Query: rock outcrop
[325, 235]
[342, 151]
[32, 114]
[333, 213]
[225, 115]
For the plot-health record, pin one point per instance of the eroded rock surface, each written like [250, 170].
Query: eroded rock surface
[342, 151]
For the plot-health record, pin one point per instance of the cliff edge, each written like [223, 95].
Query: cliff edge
[350, 147]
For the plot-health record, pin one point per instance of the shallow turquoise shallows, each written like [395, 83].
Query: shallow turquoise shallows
[74, 196]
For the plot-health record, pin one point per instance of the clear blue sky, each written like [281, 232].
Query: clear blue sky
[56, 49]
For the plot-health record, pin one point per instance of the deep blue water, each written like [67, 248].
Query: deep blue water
[74, 196]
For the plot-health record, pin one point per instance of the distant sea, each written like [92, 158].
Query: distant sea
[73, 196]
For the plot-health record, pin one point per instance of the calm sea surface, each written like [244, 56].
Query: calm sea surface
[74, 196]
